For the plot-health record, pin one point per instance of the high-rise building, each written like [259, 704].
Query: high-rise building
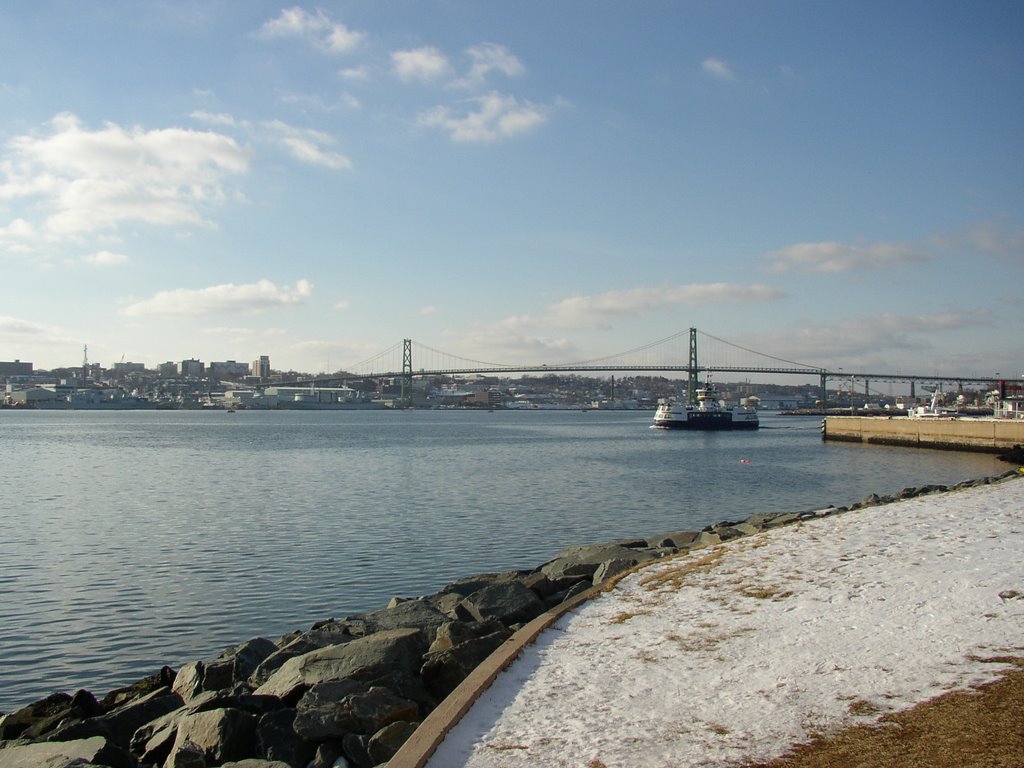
[261, 367]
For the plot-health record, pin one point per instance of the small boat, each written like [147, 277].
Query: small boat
[707, 414]
[934, 410]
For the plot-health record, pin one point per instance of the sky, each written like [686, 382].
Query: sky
[831, 183]
[806, 630]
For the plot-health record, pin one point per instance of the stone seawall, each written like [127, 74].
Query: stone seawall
[983, 435]
[348, 691]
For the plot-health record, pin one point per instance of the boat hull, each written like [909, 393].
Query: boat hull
[717, 422]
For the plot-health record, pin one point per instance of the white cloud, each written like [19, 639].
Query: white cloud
[212, 118]
[717, 67]
[250, 298]
[838, 257]
[533, 337]
[998, 237]
[424, 64]
[17, 235]
[91, 181]
[106, 259]
[585, 310]
[497, 117]
[308, 146]
[318, 29]
[870, 341]
[428, 311]
[342, 304]
[361, 72]
[12, 327]
[487, 58]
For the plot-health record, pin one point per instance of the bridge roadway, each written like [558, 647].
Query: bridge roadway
[823, 374]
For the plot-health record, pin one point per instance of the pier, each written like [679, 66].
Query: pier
[958, 434]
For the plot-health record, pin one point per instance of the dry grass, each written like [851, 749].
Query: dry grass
[981, 728]
[676, 576]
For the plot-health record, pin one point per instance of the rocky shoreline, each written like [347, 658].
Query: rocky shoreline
[348, 691]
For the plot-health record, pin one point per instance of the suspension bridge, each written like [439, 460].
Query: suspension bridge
[673, 354]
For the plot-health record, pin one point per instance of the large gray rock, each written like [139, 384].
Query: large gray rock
[583, 561]
[221, 735]
[509, 603]
[385, 743]
[276, 739]
[471, 584]
[323, 635]
[444, 669]
[321, 715]
[416, 614]
[376, 655]
[96, 751]
[247, 657]
[453, 633]
[188, 683]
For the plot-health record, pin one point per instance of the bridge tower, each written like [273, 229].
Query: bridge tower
[406, 373]
[691, 389]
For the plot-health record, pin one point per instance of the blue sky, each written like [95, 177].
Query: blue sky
[532, 182]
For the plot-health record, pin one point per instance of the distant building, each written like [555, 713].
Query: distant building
[191, 369]
[17, 368]
[168, 370]
[122, 368]
[228, 370]
[261, 367]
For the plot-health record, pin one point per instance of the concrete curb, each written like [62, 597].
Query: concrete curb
[416, 751]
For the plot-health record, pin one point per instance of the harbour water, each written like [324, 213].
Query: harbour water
[131, 540]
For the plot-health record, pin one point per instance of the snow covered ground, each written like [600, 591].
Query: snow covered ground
[732, 654]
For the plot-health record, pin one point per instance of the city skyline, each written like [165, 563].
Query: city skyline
[525, 184]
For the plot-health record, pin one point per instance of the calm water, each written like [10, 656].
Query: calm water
[130, 540]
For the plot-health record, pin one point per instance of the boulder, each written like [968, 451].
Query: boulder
[583, 561]
[188, 683]
[276, 739]
[255, 762]
[322, 635]
[121, 723]
[218, 674]
[509, 603]
[162, 679]
[471, 584]
[385, 743]
[327, 756]
[443, 670]
[246, 657]
[613, 567]
[545, 586]
[94, 751]
[188, 754]
[416, 614]
[452, 633]
[37, 718]
[221, 735]
[321, 716]
[396, 650]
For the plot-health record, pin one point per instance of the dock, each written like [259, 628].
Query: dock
[958, 434]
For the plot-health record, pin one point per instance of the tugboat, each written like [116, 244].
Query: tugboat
[707, 414]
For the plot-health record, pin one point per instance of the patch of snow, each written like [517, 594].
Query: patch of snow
[735, 653]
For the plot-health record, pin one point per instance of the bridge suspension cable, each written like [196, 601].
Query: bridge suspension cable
[814, 368]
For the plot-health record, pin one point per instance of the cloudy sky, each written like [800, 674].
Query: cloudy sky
[531, 182]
